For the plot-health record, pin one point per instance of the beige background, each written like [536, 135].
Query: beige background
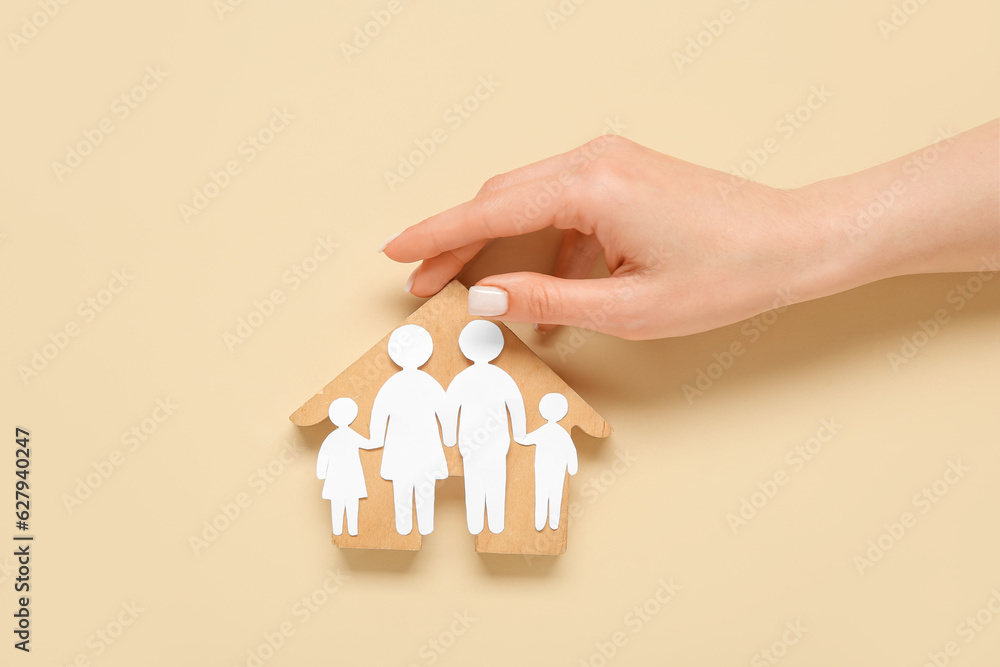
[662, 517]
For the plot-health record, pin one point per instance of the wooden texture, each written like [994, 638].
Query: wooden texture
[444, 316]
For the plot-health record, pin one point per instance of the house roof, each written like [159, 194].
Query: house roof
[444, 315]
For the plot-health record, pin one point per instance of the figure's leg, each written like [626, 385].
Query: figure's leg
[541, 504]
[337, 510]
[402, 493]
[555, 504]
[496, 493]
[352, 516]
[425, 506]
[475, 497]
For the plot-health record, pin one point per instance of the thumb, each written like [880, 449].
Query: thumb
[601, 304]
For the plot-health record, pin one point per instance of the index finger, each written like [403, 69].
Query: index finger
[519, 208]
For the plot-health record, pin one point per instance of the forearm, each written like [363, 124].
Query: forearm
[934, 210]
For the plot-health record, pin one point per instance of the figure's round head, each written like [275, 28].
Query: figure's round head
[553, 407]
[343, 412]
[481, 341]
[410, 346]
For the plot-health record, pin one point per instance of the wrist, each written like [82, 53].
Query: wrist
[845, 236]
[820, 255]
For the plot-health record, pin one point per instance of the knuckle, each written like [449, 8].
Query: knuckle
[540, 301]
[481, 209]
[609, 140]
[609, 144]
[494, 183]
[598, 171]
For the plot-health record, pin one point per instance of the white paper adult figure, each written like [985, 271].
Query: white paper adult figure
[404, 418]
[555, 454]
[340, 465]
[481, 396]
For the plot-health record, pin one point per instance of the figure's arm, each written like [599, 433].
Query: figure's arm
[367, 443]
[323, 460]
[573, 462]
[448, 414]
[529, 439]
[515, 404]
[379, 419]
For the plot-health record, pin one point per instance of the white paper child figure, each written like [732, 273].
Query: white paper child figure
[555, 455]
[405, 419]
[339, 463]
[480, 396]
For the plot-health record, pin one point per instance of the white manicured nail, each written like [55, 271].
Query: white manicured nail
[388, 241]
[487, 301]
[409, 281]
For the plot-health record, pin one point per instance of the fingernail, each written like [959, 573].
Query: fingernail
[487, 301]
[409, 281]
[388, 241]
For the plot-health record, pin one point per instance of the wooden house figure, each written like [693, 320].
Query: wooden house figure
[444, 316]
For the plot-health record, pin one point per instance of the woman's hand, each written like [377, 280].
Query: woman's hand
[690, 248]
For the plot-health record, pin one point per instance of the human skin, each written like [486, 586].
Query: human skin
[690, 249]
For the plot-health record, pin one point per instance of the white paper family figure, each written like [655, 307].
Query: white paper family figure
[340, 465]
[482, 395]
[405, 420]
[555, 455]
[473, 413]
